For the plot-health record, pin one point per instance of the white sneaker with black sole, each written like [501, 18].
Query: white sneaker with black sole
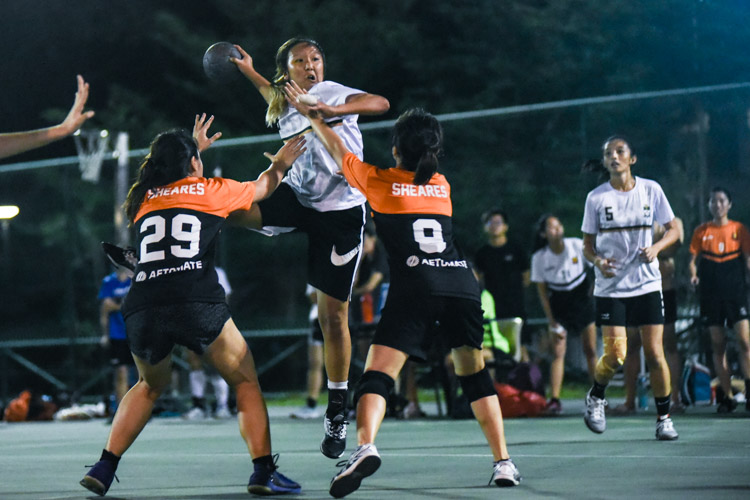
[363, 462]
[665, 430]
[594, 415]
[505, 473]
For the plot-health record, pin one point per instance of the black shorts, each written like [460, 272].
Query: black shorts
[670, 305]
[722, 312]
[334, 239]
[411, 324]
[119, 353]
[573, 309]
[646, 309]
[153, 332]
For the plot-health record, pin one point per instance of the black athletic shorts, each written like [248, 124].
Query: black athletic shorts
[670, 305]
[722, 312]
[411, 324]
[119, 353]
[334, 239]
[573, 309]
[646, 309]
[153, 332]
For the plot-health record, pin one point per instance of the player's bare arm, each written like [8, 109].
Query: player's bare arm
[270, 179]
[19, 142]
[245, 65]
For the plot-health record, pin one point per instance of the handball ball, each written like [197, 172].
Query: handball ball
[216, 63]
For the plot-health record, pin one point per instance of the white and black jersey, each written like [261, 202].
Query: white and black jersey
[623, 224]
[314, 175]
[563, 271]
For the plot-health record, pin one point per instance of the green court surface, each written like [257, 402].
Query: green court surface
[422, 459]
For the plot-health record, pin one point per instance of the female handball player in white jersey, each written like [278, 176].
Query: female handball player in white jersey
[176, 297]
[315, 200]
[430, 281]
[617, 231]
[560, 272]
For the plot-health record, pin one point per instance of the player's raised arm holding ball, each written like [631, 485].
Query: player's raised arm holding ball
[314, 199]
[19, 142]
[431, 283]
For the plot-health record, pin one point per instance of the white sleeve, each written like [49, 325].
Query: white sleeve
[536, 267]
[590, 224]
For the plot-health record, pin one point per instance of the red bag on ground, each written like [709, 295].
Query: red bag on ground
[18, 409]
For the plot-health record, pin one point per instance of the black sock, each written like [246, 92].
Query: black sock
[199, 403]
[720, 394]
[110, 457]
[265, 462]
[597, 390]
[311, 403]
[662, 405]
[336, 402]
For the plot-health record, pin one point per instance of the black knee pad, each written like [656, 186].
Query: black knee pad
[374, 382]
[478, 385]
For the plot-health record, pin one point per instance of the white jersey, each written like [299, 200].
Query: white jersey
[562, 271]
[313, 177]
[623, 224]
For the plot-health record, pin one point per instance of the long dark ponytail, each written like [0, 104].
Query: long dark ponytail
[418, 138]
[167, 161]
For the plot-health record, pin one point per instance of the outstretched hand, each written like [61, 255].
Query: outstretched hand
[289, 152]
[318, 110]
[200, 132]
[76, 116]
[245, 62]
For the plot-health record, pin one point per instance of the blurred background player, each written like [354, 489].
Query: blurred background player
[316, 200]
[314, 361]
[559, 270]
[13, 143]
[199, 372]
[503, 268]
[113, 290]
[720, 257]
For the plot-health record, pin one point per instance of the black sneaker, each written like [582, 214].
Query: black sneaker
[334, 441]
[727, 405]
[99, 477]
[269, 481]
[121, 257]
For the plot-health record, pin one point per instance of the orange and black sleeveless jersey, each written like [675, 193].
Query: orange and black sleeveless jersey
[414, 223]
[177, 228]
[721, 263]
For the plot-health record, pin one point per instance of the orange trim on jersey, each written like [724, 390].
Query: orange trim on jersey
[720, 243]
[392, 190]
[215, 196]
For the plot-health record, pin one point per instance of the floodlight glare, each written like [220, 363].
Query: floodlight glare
[8, 211]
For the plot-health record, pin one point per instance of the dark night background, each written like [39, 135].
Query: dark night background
[143, 61]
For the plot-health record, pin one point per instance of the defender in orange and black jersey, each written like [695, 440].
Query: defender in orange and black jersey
[414, 224]
[721, 265]
[177, 227]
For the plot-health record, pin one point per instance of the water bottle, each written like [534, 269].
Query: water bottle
[642, 392]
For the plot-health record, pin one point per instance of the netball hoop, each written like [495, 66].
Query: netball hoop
[91, 146]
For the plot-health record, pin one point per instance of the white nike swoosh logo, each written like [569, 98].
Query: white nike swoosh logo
[342, 260]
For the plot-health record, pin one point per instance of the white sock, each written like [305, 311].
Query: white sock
[221, 391]
[338, 385]
[197, 383]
